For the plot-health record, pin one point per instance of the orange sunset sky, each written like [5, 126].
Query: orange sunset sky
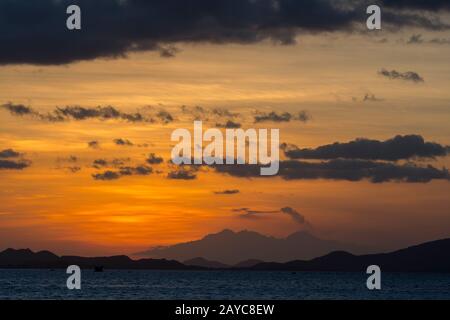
[56, 203]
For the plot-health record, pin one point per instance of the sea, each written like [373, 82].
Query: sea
[26, 284]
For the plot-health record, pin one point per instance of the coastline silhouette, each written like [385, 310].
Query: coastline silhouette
[427, 257]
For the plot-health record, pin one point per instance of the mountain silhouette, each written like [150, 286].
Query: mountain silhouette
[25, 258]
[202, 262]
[432, 256]
[427, 257]
[247, 263]
[230, 248]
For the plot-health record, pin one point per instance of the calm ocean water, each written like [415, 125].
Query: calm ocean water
[124, 284]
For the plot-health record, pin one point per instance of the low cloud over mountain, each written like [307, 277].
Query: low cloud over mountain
[233, 247]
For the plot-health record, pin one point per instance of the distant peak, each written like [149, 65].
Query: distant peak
[226, 231]
[11, 250]
[300, 235]
[338, 254]
[223, 233]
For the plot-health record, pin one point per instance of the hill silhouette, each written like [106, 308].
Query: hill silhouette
[25, 258]
[229, 247]
[202, 262]
[427, 257]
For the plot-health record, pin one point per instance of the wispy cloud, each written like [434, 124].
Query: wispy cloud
[227, 192]
[273, 116]
[248, 213]
[406, 76]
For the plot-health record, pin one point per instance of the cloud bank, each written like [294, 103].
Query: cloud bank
[37, 33]
[344, 169]
[397, 148]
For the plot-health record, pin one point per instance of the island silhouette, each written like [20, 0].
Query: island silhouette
[427, 257]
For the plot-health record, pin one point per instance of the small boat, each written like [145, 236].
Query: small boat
[98, 268]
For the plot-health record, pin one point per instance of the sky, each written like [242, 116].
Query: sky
[86, 118]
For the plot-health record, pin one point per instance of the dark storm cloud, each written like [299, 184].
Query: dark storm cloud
[294, 214]
[227, 192]
[397, 148]
[342, 169]
[35, 31]
[431, 5]
[273, 116]
[9, 153]
[407, 76]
